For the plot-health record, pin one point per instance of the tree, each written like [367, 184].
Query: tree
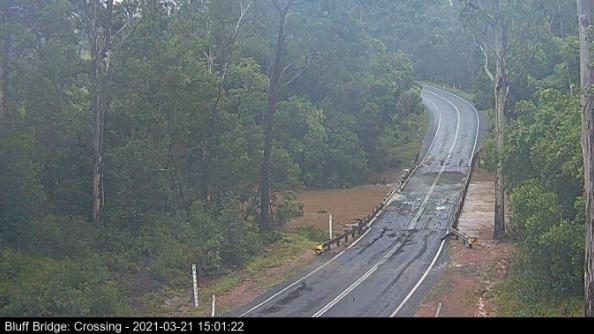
[584, 12]
[99, 27]
[511, 32]
[188, 117]
[218, 63]
[493, 17]
[17, 40]
[277, 84]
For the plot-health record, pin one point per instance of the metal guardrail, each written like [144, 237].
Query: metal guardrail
[362, 224]
[470, 241]
[452, 230]
[466, 184]
[359, 225]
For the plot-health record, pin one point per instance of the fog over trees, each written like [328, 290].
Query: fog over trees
[140, 136]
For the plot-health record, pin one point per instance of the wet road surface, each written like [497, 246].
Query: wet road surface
[389, 270]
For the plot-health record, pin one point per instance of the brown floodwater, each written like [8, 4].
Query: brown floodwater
[344, 204]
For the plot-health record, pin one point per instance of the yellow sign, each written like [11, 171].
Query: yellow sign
[319, 249]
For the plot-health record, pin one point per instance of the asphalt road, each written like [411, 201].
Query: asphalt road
[389, 270]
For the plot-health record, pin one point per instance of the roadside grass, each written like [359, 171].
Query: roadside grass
[408, 152]
[286, 249]
[511, 302]
[291, 245]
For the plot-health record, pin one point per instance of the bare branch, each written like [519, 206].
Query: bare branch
[299, 73]
[131, 28]
[295, 77]
[277, 6]
[490, 19]
[486, 58]
[283, 10]
[285, 69]
[242, 12]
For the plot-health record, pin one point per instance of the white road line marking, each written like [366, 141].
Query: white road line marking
[420, 281]
[414, 289]
[351, 245]
[361, 279]
[397, 246]
[478, 119]
[313, 271]
[435, 135]
[393, 197]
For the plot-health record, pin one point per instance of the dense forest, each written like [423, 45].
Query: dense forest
[134, 135]
[140, 136]
[541, 156]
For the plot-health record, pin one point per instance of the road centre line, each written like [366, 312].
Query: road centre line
[414, 289]
[350, 246]
[397, 246]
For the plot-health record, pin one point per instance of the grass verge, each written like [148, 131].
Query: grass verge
[260, 273]
[511, 302]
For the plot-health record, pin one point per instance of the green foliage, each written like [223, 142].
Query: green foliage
[138, 180]
[345, 158]
[288, 208]
[540, 230]
[45, 286]
[488, 155]
[541, 158]
[21, 194]
[314, 234]
[516, 300]
[216, 243]
[183, 134]
[535, 211]
[544, 143]
[543, 166]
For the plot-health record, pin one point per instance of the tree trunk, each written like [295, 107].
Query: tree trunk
[174, 175]
[100, 82]
[210, 145]
[267, 163]
[584, 12]
[501, 90]
[555, 25]
[273, 92]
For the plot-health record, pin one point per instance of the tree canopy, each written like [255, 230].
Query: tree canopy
[138, 136]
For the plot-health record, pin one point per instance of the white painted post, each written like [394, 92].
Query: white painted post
[438, 310]
[330, 226]
[195, 281]
[212, 313]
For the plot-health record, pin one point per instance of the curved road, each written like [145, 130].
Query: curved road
[392, 266]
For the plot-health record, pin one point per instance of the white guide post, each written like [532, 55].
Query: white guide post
[330, 226]
[212, 313]
[195, 281]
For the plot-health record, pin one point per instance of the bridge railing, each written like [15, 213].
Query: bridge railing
[359, 225]
[452, 230]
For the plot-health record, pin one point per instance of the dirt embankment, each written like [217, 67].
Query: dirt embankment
[466, 290]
